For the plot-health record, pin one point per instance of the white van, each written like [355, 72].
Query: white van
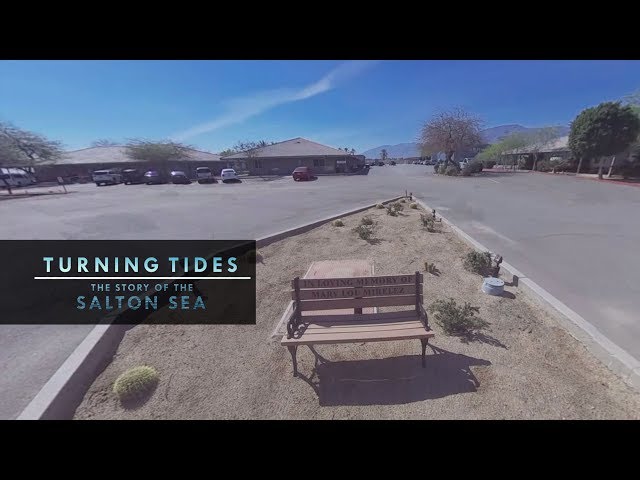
[107, 177]
[15, 177]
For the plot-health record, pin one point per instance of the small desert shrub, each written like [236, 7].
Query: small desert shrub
[544, 166]
[414, 206]
[456, 320]
[466, 171]
[477, 262]
[488, 164]
[365, 232]
[403, 201]
[431, 268]
[380, 206]
[428, 222]
[338, 223]
[450, 171]
[476, 166]
[394, 208]
[135, 383]
[367, 221]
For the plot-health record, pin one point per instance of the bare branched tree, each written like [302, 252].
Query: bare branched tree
[452, 131]
[157, 153]
[22, 148]
[104, 142]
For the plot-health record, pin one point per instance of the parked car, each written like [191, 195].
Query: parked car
[302, 173]
[380, 163]
[180, 177]
[106, 177]
[228, 174]
[154, 177]
[131, 176]
[205, 175]
[392, 162]
[15, 177]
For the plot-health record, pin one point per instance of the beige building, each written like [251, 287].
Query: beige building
[283, 158]
[81, 163]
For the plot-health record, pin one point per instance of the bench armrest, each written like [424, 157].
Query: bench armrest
[424, 317]
[294, 322]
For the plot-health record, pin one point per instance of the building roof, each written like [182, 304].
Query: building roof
[560, 144]
[296, 147]
[117, 154]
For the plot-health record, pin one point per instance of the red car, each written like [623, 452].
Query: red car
[302, 173]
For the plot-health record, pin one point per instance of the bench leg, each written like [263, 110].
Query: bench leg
[424, 342]
[293, 350]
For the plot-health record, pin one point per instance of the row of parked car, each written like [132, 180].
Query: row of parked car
[132, 176]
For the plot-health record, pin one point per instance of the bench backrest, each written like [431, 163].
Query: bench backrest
[357, 292]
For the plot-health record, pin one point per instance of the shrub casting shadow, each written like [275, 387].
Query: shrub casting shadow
[433, 270]
[138, 402]
[482, 338]
[393, 381]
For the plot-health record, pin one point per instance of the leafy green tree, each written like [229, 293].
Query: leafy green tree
[495, 152]
[604, 130]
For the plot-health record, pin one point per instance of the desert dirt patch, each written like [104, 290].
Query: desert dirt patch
[524, 367]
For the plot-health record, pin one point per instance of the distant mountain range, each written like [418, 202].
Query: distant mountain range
[490, 135]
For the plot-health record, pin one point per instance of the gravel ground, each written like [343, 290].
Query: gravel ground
[524, 367]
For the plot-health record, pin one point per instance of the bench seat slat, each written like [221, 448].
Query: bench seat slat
[377, 327]
[365, 335]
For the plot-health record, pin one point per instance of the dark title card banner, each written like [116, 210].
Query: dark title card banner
[128, 282]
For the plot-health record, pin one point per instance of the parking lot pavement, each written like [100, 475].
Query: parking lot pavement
[29, 355]
[577, 239]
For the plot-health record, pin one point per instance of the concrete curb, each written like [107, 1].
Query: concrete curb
[61, 395]
[269, 239]
[64, 391]
[614, 357]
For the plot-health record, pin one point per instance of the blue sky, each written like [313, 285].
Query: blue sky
[357, 104]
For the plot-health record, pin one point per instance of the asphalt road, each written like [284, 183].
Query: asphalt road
[577, 238]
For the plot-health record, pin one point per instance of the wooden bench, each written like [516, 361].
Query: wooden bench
[317, 294]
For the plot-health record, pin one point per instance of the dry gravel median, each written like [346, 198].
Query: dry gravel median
[524, 367]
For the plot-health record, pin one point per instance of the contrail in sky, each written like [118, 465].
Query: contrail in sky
[240, 109]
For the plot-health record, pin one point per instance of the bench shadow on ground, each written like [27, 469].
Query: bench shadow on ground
[393, 381]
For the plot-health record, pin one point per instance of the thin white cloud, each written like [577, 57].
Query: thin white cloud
[241, 109]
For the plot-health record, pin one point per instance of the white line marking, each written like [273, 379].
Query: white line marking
[492, 180]
[142, 278]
